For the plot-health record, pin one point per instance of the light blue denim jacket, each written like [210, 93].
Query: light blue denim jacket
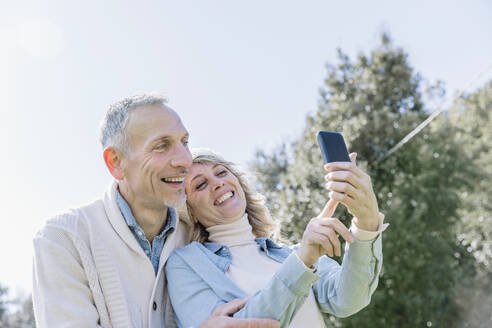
[197, 282]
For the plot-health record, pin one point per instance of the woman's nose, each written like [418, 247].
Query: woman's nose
[218, 184]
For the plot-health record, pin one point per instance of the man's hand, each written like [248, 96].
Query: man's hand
[352, 187]
[321, 236]
[220, 318]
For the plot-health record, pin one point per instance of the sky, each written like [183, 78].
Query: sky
[241, 74]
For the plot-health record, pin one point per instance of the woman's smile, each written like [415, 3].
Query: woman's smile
[225, 198]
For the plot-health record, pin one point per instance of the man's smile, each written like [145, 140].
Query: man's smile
[174, 181]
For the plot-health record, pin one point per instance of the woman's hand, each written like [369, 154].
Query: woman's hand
[352, 187]
[221, 317]
[321, 236]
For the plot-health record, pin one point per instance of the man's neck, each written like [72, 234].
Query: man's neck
[152, 222]
[150, 219]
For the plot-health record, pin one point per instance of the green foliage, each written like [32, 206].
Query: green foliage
[472, 119]
[375, 100]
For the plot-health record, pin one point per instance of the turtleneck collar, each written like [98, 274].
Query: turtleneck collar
[236, 233]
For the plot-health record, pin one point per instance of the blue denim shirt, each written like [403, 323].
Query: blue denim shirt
[153, 251]
[197, 282]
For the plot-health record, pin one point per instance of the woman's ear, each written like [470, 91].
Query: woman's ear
[113, 158]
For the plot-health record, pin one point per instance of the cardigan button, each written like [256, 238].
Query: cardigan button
[154, 306]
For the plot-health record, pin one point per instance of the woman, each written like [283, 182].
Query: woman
[232, 257]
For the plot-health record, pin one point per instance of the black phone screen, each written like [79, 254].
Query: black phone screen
[333, 147]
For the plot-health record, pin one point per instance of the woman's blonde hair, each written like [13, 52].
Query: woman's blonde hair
[258, 214]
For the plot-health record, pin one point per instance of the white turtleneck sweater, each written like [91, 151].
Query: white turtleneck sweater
[251, 269]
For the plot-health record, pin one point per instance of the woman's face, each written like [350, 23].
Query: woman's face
[214, 194]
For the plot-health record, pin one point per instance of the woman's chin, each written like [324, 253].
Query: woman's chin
[232, 213]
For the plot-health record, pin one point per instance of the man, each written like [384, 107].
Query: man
[101, 265]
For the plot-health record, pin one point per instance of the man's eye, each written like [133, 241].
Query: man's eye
[161, 146]
[200, 185]
[185, 143]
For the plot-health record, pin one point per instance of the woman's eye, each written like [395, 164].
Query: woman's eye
[200, 185]
[222, 173]
[161, 146]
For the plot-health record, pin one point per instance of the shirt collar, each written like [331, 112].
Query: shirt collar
[265, 244]
[213, 247]
[170, 223]
[132, 223]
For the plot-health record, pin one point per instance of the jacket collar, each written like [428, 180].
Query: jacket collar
[116, 219]
[266, 243]
[272, 250]
[213, 247]
[119, 224]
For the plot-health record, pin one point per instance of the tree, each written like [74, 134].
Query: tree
[23, 318]
[3, 301]
[472, 118]
[375, 101]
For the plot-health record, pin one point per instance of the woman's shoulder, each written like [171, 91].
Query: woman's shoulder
[192, 247]
[194, 255]
[181, 253]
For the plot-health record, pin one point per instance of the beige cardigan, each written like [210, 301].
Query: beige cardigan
[89, 271]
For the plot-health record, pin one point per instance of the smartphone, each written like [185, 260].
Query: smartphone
[333, 147]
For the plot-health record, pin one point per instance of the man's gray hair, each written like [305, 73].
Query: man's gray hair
[112, 132]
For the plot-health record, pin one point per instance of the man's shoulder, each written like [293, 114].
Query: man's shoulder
[73, 220]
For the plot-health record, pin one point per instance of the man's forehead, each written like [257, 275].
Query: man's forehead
[154, 120]
[147, 114]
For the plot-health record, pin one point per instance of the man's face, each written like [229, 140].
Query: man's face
[158, 159]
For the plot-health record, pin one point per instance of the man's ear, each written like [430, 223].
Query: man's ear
[113, 158]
